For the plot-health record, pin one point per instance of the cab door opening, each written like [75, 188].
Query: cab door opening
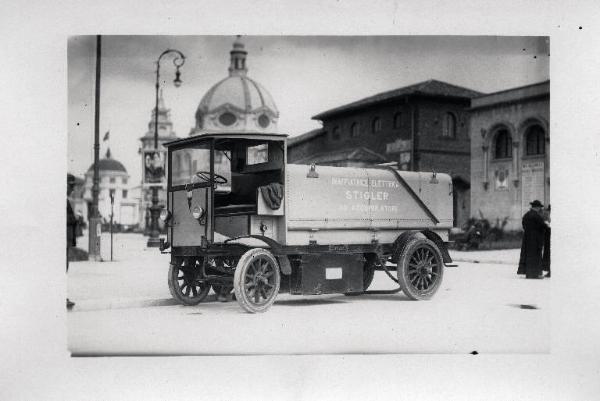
[249, 164]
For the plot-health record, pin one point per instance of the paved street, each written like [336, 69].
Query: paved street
[124, 308]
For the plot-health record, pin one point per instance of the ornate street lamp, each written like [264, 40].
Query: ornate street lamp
[178, 61]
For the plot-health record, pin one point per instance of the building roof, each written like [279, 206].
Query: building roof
[360, 154]
[296, 140]
[239, 92]
[237, 102]
[431, 88]
[539, 89]
[108, 164]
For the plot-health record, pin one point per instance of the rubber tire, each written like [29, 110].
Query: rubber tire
[240, 273]
[176, 293]
[409, 248]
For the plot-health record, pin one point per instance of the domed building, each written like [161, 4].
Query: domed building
[114, 181]
[236, 103]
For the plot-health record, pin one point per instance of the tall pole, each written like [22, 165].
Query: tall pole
[112, 213]
[95, 224]
[178, 61]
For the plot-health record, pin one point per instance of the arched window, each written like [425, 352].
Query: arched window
[376, 125]
[503, 145]
[335, 133]
[450, 126]
[397, 120]
[535, 141]
[354, 130]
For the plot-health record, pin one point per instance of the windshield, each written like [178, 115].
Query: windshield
[185, 163]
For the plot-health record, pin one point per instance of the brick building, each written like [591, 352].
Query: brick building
[423, 127]
[510, 143]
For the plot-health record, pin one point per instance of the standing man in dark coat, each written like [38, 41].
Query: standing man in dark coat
[71, 225]
[534, 227]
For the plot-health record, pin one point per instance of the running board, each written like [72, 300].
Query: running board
[450, 265]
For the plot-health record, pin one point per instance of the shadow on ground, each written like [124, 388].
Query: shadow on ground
[81, 306]
[309, 302]
[523, 306]
[375, 297]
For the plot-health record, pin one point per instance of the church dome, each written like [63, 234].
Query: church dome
[109, 164]
[237, 103]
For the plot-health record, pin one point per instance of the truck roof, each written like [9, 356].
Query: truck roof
[232, 135]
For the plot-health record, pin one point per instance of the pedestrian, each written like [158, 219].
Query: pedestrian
[71, 226]
[534, 227]
[546, 252]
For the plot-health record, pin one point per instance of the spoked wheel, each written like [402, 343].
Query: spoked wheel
[222, 265]
[222, 291]
[420, 269]
[256, 281]
[184, 286]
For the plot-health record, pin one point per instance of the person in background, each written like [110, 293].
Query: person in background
[534, 227]
[546, 252]
[71, 225]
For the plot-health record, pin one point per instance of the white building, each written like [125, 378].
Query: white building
[114, 180]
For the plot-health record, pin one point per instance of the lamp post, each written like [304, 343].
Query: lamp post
[178, 61]
[95, 223]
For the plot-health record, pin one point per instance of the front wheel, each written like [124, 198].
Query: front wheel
[183, 281]
[420, 269]
[256, 280]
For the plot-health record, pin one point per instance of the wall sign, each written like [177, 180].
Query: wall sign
[533, 185]
[501, 179]
[399, 145]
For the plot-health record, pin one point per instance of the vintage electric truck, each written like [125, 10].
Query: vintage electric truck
[239, 218]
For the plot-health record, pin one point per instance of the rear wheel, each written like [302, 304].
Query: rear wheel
[256, 280]
[420, 269]
[220, 266]
[184, 286]
[222, 292]
[222, 289]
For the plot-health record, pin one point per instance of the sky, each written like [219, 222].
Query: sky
[305, 75]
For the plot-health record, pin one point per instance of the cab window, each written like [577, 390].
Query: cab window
[188, 161]
[258, 154]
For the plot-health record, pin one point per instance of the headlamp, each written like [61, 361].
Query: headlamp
[198, 212]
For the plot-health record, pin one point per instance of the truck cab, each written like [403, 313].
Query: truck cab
[222, 178]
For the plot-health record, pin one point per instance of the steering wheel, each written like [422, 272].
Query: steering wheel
[205, 176]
